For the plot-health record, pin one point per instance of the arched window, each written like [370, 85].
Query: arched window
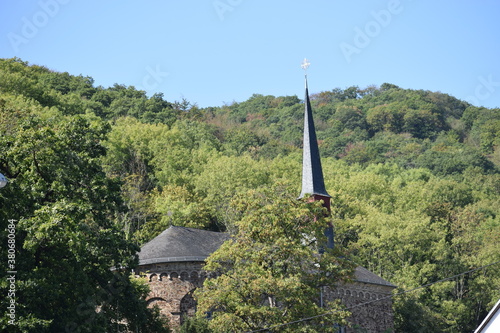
[187, 306]
[163, 305]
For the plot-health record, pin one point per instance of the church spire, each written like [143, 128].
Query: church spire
[312, 172]
[313, 182]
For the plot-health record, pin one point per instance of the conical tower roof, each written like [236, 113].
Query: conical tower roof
[312, 173]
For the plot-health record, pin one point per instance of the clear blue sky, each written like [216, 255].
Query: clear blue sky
[218, 51]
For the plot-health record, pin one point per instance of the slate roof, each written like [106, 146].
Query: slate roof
[177, 244]
[361, 274]
[312, 172]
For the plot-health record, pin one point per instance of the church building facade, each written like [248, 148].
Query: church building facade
[173, 261]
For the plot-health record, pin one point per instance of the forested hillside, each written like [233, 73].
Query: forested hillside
[414, 176]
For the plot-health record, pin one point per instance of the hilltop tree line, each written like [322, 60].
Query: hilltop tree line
[414, 176]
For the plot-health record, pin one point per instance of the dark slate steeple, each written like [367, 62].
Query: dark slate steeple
[313, 182]
[312, 172]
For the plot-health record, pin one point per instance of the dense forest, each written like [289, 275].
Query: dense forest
[414, 177]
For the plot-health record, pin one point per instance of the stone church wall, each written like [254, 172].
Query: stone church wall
[370, 305]
[172, 286]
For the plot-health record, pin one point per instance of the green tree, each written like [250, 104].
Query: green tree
[421, 123]
[129, 156]
[175, 205]
[453, 160]
[195, 325]
[387, 117]
[182, 152]
[240, 140]
[413, 228]
[350, 117]
[270, 272]
[224, 177]
[73, 264]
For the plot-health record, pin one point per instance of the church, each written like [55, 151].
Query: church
[173, 261]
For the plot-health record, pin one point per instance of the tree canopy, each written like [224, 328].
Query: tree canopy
[270, 272]
[72, 262]
[95, 172]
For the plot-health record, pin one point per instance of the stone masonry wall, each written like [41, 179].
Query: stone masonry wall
[172, 285]
[376, 316]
